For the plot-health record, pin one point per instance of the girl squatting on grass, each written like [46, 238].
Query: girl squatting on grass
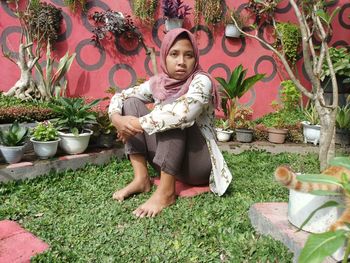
[177, 137]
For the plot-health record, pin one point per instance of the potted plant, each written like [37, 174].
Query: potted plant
[223, 131]
[311, 127]
[210, 10]
[45, 140]
[104, 133]
[340, 58]
[174, 12]
[12, 142]
[243, 124]
[235, 88]
[230, 27]
[342, 124]
[73, 117]
[145, 9]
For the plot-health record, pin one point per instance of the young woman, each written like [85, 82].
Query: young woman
[177, 136]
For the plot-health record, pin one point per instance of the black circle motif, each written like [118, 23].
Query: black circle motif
[89, 5]
[233, 53]
[155, 31]
[82, 64]
[9, 30]
[341, 14]
[146, 65]
[261, 35]
[7, 9]
[58, 2]
[223, 66]
[126, 67]
[274, 67]
[127, 52]
[64, 35]
[205, 50]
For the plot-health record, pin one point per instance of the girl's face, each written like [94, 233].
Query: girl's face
[180, 60]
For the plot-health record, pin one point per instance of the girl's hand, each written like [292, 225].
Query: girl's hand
[127, 126]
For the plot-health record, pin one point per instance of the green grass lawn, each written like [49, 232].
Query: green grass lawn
[74, 213]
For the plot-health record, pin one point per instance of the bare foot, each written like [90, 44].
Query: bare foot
[155, 204]
[135, 187]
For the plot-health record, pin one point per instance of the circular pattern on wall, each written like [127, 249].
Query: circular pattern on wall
[122, 45]
[210, 44]
[7, 9]
[261, 32]
[223, 66]
[84, 65]
[5, 35]
[58, 2]
[233, 53]
[146, 65]
[90, 5]
[341, 16]
[155, 31]
[126, 67]
[274, 67]
[282, 10]
[68, 21]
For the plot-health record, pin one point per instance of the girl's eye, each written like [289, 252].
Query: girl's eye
[189, 55]
[173, 54]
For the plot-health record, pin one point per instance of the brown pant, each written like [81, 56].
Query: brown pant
[182, 153]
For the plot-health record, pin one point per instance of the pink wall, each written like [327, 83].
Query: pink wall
[93, 71]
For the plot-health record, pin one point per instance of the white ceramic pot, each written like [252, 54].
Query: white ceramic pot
[12, 154]
[45, 150]
[232, 31]
[72, 144]
[311, 133]
[301, 205]
[172, 23]
[223, 136]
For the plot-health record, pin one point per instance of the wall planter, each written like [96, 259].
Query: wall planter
[311, 133]
[172, 23]
[342, 136]
[72, 144]
[232, 31]
[244, 135]
[301, 205]
[12, 154]
[277, 135]
[223, 135]
[45, 149]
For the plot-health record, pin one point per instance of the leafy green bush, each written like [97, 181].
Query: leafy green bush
[15, 135]
[45, 131]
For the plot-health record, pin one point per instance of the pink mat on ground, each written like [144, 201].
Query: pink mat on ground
[18, 245]
[185, 190]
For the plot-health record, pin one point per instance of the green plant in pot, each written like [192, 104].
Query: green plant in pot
[74, 117]
[104, 131]
[342, 124]
[45, 139]
[235, 88]
[12, 142]
[223, 130]
[243, 124]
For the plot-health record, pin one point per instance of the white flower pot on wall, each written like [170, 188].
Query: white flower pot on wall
[72, 144]
[172, 23]
[223, 136]
[12, 154]
[232, 31]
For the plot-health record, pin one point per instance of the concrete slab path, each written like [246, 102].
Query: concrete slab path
[18, 245]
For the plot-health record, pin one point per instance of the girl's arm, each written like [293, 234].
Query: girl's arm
[183, 112]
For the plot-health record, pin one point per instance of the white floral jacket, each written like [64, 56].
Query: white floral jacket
[194, 107]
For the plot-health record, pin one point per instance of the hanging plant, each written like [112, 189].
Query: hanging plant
[43, 21]
[210, 10]
[74, 5]
[115, 23]
[263, 10]
[145, 9]
[288, 40]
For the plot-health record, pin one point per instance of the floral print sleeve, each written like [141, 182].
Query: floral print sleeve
[181, 113]
[142, 92]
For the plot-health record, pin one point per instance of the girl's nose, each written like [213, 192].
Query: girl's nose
[181, 60]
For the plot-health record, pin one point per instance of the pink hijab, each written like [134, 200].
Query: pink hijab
[167, 89]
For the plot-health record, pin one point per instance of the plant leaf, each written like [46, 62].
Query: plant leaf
[341, 161]
[319, 246]
[319, 178]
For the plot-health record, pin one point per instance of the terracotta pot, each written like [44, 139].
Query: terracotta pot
[277, 135]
